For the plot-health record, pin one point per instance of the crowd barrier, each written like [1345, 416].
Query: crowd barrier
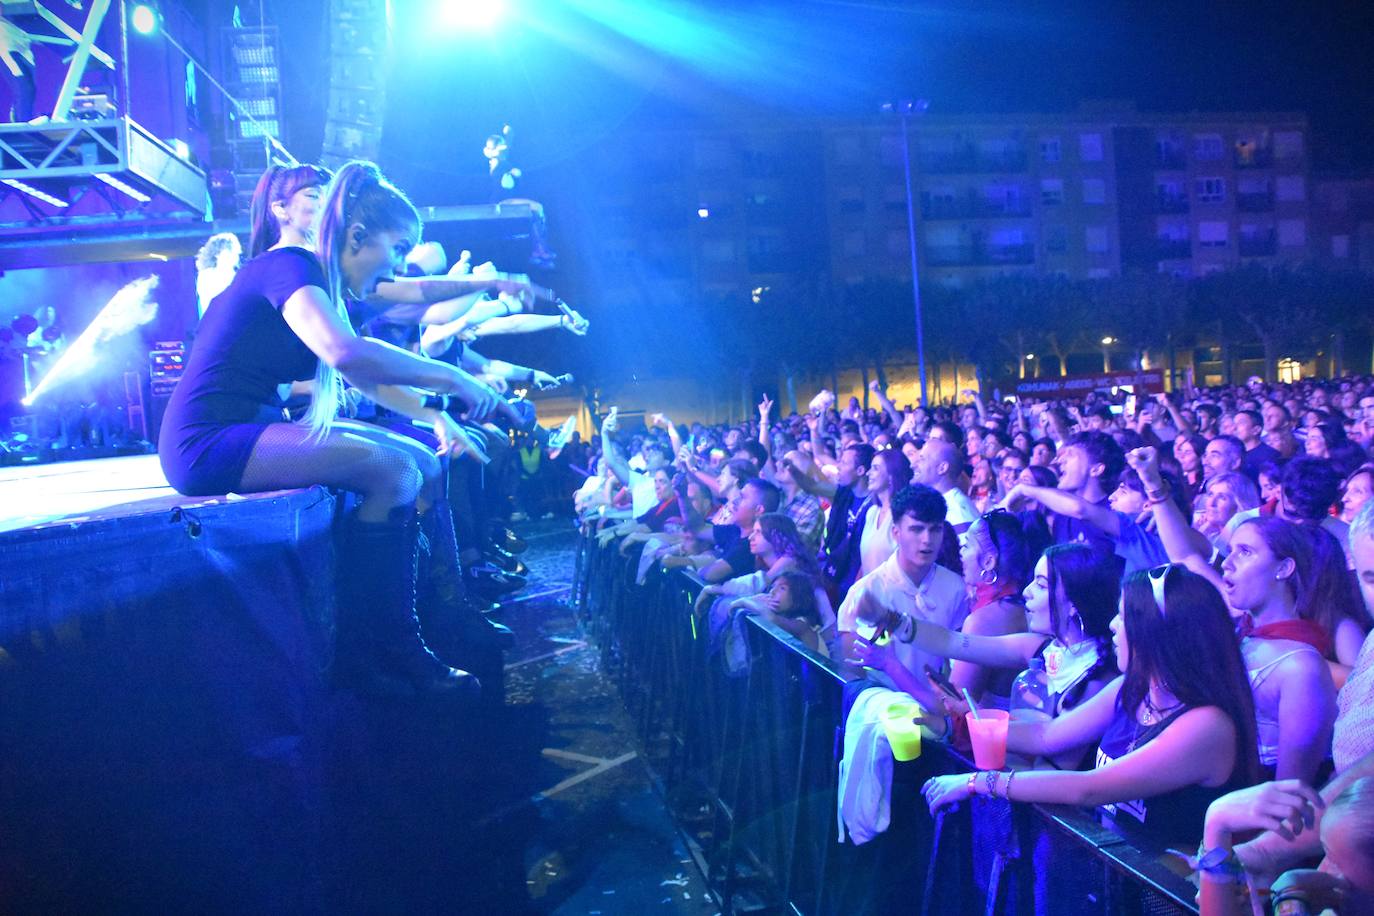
[748, 765]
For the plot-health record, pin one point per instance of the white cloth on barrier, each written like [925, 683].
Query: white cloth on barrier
[864, 796]
[654, 550]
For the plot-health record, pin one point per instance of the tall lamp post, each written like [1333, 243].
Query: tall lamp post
[905, 110]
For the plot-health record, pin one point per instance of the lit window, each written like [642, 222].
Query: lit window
[1094, 191]
[1090, 147]
[1051, 191]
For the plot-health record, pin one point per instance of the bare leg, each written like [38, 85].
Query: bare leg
[384, 473]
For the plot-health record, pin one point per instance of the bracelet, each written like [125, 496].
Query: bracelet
[1006, 788]
[972, 781]
[1155, 497]
[989, 782]
[1218, 866]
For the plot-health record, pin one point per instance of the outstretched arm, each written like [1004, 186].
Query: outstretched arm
[619, 467]
[1069, 505]
[1181, 542]
[885, 402]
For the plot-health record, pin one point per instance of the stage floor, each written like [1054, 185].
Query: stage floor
[67, 493]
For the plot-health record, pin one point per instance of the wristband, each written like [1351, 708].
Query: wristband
[1219, 866]
[435, 402]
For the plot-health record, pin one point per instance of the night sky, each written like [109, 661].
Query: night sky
[570, 82]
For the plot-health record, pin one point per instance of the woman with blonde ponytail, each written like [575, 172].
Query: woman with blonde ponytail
[283, 320]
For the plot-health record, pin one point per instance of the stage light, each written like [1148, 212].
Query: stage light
[33, 192]
[127, 309]
[703, 213]
[121, 186]
[471, 15]
[144, 19]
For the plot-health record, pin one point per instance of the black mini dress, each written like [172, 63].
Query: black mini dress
[227, 394]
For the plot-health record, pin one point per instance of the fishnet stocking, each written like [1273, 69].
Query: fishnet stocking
[386, 470]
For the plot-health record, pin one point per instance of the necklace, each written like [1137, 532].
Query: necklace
[1152, 715]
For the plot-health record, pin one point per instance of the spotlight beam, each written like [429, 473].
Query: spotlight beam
[127, 309]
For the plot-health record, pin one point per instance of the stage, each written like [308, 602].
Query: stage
[170, 739]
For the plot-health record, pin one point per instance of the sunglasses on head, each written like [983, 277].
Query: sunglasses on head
[1158, 576]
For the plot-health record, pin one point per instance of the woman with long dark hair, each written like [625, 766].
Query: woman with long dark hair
[888, 473]
[284, 320]
[1175, 732]
[1070, 601]
[1262, 580]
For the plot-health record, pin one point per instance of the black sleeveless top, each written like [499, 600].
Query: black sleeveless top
[1174, 818]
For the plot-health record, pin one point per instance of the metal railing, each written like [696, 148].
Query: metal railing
[748, 764]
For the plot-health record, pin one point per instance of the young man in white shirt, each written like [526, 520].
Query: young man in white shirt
[909, 584]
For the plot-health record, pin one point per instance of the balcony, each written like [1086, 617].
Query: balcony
[979, 255]
[1171, 203]
[1172, 249]
[972, 161]
[1255, 202]
[972, 207]
[1258, 246]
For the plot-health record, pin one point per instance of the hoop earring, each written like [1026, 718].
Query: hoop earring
[983, 577]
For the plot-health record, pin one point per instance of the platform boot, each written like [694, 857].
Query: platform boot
[379, 646]
[449, 616]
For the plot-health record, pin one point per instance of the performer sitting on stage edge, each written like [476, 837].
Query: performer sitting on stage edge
[283, 320]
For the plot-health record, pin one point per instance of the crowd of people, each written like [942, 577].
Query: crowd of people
[341, 354]
[1171, 594]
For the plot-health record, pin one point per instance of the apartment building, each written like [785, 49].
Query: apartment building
[723, 211]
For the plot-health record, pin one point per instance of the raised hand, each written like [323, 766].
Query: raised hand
[765, 407]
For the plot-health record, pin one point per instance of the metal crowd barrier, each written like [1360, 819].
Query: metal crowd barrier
[749, 766]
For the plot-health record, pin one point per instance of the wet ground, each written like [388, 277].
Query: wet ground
[592, 837]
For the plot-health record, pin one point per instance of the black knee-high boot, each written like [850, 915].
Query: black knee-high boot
[449, 618]
[379, 642]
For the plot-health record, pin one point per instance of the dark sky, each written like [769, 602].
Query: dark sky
[571, 82]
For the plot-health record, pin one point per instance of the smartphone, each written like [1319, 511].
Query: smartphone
[939, 679]
[1130, 405]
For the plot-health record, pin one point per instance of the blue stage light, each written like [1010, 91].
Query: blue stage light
[471, 15]
[144, 19]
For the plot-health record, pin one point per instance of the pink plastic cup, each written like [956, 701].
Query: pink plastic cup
[989, 737]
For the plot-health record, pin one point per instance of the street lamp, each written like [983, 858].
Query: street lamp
[904, 110]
